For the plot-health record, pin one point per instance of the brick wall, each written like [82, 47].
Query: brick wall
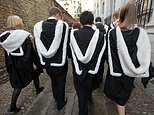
[30, 11]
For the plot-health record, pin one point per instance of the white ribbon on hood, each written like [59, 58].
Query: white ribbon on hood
[14, 41]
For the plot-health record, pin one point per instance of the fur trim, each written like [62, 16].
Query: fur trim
[78, 71]
[55, 44]
[64, 47]
[112, 25]
[94, 27]
[90, 50]
[110, 59]
[18, 54]
[143, 55]
[106, 27]
[56, 41]
[14, 41]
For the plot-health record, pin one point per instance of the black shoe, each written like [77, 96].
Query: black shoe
[39, 90]
[14, 110]
[59, 107]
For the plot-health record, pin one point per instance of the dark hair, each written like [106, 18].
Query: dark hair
[98, 19]
[86, 17]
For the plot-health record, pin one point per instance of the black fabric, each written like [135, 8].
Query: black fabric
[98, 79]
[130, 38]
[47, 36]
[20, 67]
[86, 83]
[15, 96]
[100, 26]
[119, 89]
[83, 37]
[36, 72]
[57, 74]
[58, 79]
[83, 89]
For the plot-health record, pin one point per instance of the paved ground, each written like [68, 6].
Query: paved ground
[140, 103]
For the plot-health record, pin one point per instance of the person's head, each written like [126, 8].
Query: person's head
[14, 22]
[128, 15]
[86, 18]
[76, 25]
[55, 12]
[115, 15]
[98, 19]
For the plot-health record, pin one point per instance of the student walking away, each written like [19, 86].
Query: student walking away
[99, 24]
[51, 38]
[98, 80]
[129, 54]
[18, 57]
[87, 47]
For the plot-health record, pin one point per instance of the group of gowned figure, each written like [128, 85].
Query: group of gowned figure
[123, 45]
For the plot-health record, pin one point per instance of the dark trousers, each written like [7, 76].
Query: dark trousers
[58, 80]
[83, 89]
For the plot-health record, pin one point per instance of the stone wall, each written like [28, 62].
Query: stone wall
[30, 11]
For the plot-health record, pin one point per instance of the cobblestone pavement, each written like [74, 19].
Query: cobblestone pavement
[140, 103]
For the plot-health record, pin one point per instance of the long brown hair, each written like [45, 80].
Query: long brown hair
[128, 15]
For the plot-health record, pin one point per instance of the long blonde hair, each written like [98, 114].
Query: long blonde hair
[14, 22]
[127, 15]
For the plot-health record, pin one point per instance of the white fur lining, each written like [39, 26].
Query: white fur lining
[112, 25]
[55, 44]
[21, 53]
[90, 50]
[110, 59]
[106, 28]
[64, 48]
[143, 55]
[14, 41]
[56, 41]
[78, 71]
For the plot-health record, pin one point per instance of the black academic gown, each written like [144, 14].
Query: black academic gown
[19, 67]
[84, 81]
[56, 73]
[119, 89]
[47, 36]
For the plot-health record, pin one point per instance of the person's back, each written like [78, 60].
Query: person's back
[87, 46]
[51, 37]
[129, 53]
[100, 25]
[18, 57]
[50, 30]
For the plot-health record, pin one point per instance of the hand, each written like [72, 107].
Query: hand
[34, 66]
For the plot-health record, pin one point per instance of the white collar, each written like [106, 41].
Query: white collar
[88, 25]
[52, 18]
[99, 23]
